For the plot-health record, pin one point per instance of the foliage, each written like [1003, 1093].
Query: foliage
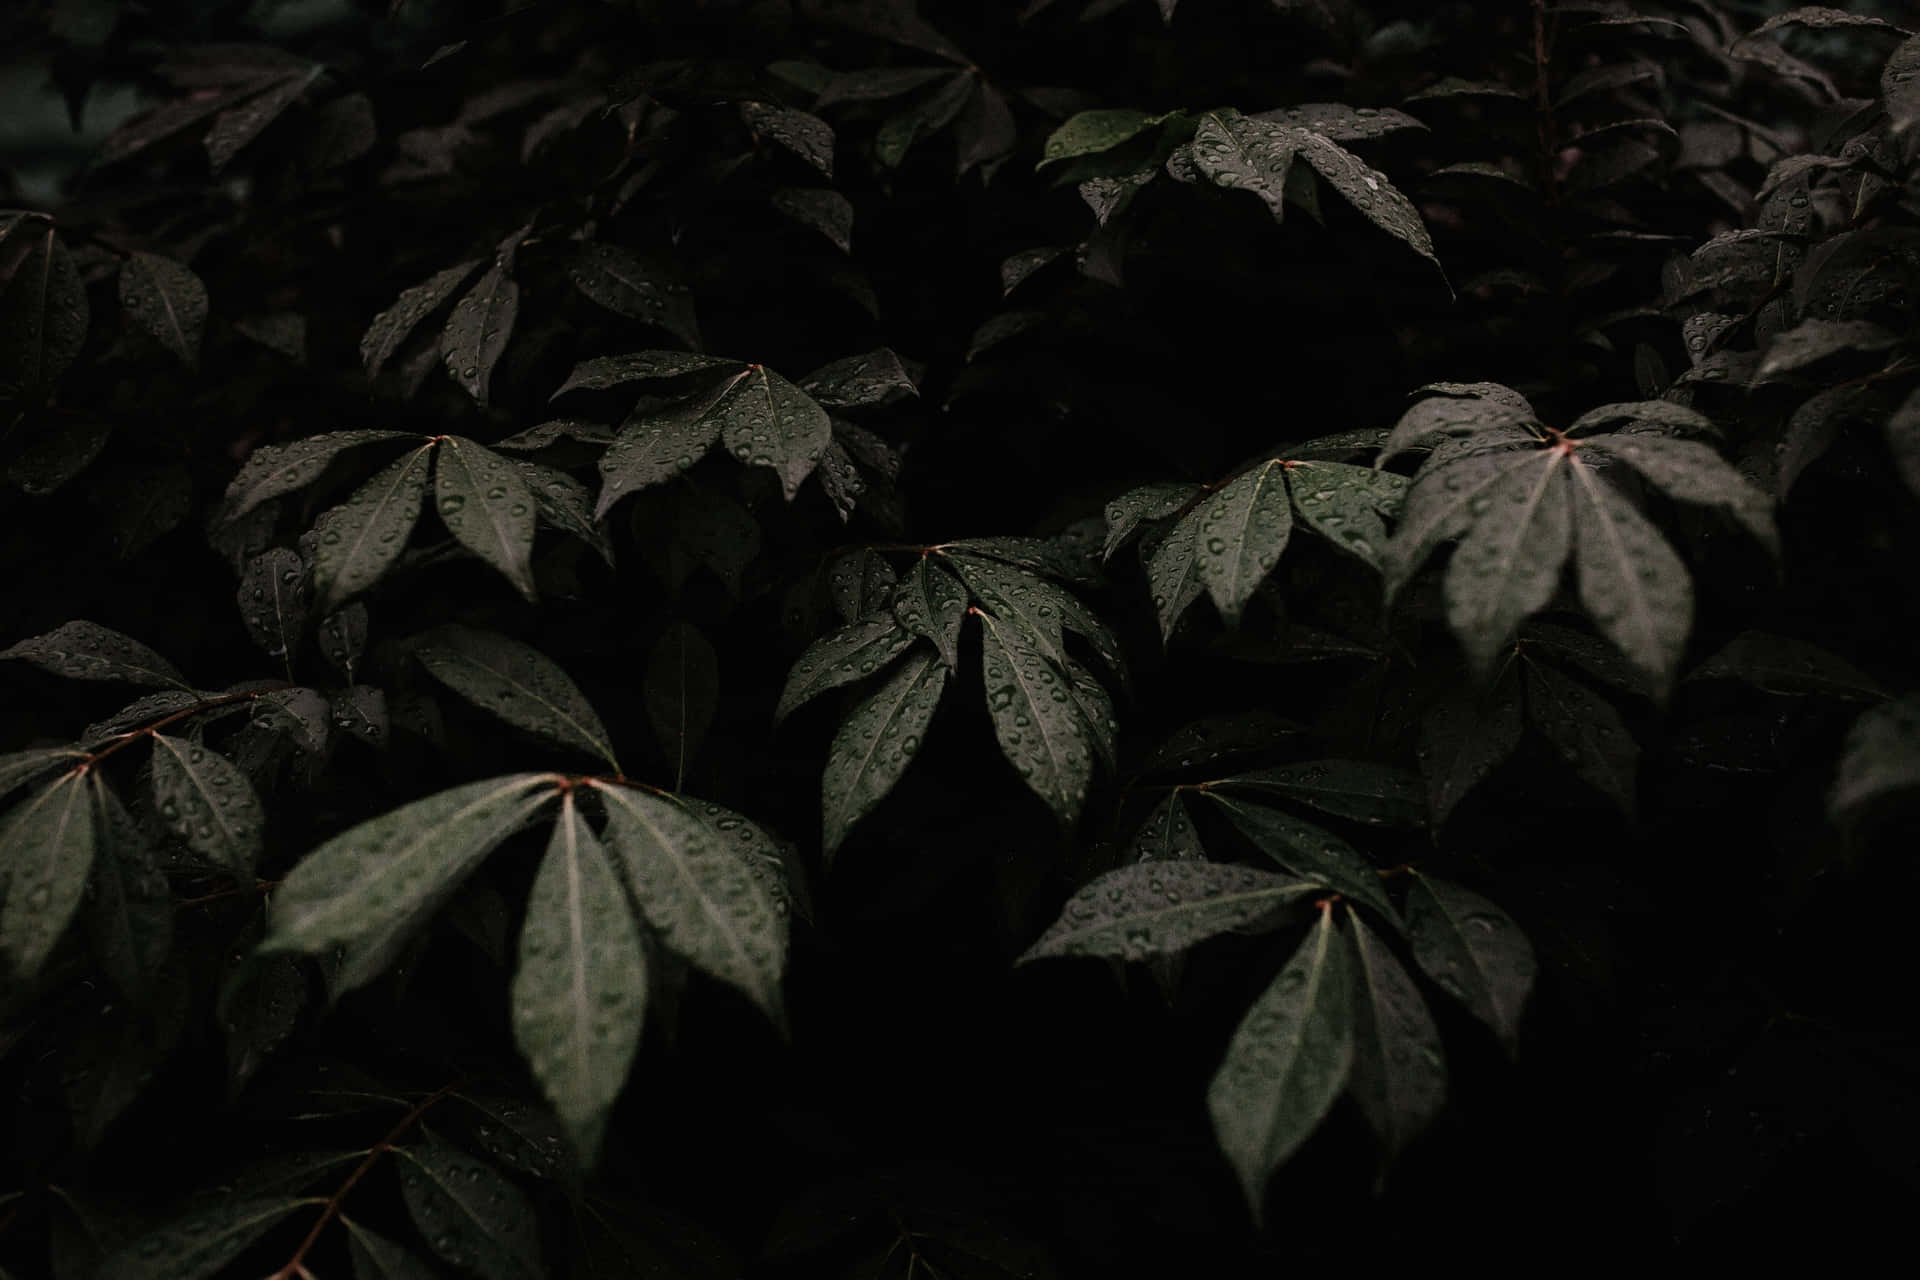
[916, 496]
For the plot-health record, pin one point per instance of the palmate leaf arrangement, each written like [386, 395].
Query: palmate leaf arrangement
[635, 879]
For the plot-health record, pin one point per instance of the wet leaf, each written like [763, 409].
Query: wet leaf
[301, 714]
[167, 301]
[1812, 341]
[564, 504]
[628, 284]
[1689, 471]
[1781, 664]
[207, 802]
[766, 421]
[655, 447]
[682, 691]
[1287, 1062]
[876, 742]
[469, 1213]
[476, 334]
[1240, 153]
[820, 209]
[805, 135]
[47, 847]
[1128, 512]
[1508, 565]
[1631, 582]
[392, 327]
[235, 127]
[274, 597]
[1587, 732]
[1309, 851]
[602, 372]
[373, 886]
[873, 378]
[57, 456]
[343, 637]
[1035, 718]
[1344, 504]
[516, 682]
[359, 540]
[1161, 908]
[377, 1258]
[1168, 834]
[1243, 529]
[130, 911]
[1399, 1077]
[861, 583]
[1472, 950]
[1094, 131]
[580, 991]
[1367, 190]
[84, 650]
[18, 768]
[200, 1244]
[841, 657]
[487, 507]
[1173, 572]
[43, 314]
[703, 898]
[273, 470]
[930, 602]
[1465, 736]
[1377, 794]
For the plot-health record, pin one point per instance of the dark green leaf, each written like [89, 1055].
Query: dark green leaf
[655, 447]
[377, 1258]
[1586, 731]
[1310, 851]
[766, 421]
[564, 503]
[391, 327]
[1507, 567]
[876, 377]
[931, 602]
[1126, 513]
[84, 650]
[841, 657]
[518, 683]
[43, 312]
[1473, 950]
[476, 333]
[1903, 441]
[207, 802]
[301, 714]
[235, 127]
[274, 597]
[1243, 531]
[1365, 792]
[876, 742]
[602, 372]
[372, 886]
[1781, 664]
[487, 507]
[823, 210]
[469, 1213]
[861, 583]
[58, 455]
[1465, 736]
[1168, 834]
[21, 767]
[1814, 340]
[1244, 154]
[1631, 582]
[1287, 1062]
[1344, 504]
[131, 909]
[1173, 572]
[343, 636]
[626, 283]
[1039, 727]
[1159, 908]
[1094, 131]
[1693, 472]
[1399, 1077]
[704, 899]
[273, 470]
[580, 991]
[807, 136]
[360, 539]
[167, 301]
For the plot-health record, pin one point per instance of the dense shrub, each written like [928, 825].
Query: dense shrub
[671, 558]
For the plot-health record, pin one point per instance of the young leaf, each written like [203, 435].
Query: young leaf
[372, 886]
[168, 301]
[1356, 789]
[1507, 567]
[274, 598]
[1287, 1062]
[1631, 582]
[47, 846]
[203, 1242]
[624, 282]
[1243, 531]
[703, 899]
[1587, 732]
[841, 657]
[1473, 950]
[486, 507]
[1399, 1077]
[1041, 733]
[579, 994]
[476, 333]
[681, 690]
[1313, 852]
[876, 742]
[471, 1215]
[1465, 736]
[84, 650]
[1160, 908]
[768, 422]
[276, 469]
[930, 602]
[518, 683]
[1168, 835]
[207, 802]
[43, 315]
[360, 539]
[391, 327]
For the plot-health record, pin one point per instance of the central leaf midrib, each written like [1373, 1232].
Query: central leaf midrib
[893, 713]
[598, 744]
[1033, 705]
[400, 482]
